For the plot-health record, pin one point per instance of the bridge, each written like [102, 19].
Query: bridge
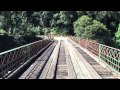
[61, 58]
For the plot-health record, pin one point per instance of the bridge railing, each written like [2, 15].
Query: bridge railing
[12, 59]
[109, 55]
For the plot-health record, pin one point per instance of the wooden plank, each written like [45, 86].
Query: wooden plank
[78, 70]
[34, 69]
[27, 72]
[37, 70]
[47, 51]
[61, 69]
[52, 68]
[36, 66]
[71, 71]
[46, 68]
[79, 65]
[88, 66]
[86, 73]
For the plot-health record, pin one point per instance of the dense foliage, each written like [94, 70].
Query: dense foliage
[102, 26]
[87, 28]
[117, 35]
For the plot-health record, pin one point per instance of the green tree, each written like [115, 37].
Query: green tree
[87, 28]
[63, 20]
[99, 32]
[81, 24]
[117, 35]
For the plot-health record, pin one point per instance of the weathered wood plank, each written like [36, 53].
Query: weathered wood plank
[48, 64]
[88, 66]
[71, 71]
[86, 73]
[61, 69]
[78, 70]
[35, 68]
[52, 68]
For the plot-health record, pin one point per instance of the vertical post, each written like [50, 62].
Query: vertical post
[40, 45]
[80, 41]
[99, 50]
[86, 44]
[43, 44]
[28, 47]
[76, 39]
[44, 34]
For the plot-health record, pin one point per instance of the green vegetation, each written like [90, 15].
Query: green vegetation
[2, 32]
[117, 35]
[102, 26]
[87, 28]
[81, 26]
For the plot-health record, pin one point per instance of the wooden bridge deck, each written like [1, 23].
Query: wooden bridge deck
[65, 60]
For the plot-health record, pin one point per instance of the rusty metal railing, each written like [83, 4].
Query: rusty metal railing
[10, 60]
[109, 55]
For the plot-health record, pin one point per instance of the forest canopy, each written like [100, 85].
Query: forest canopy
[102, 26]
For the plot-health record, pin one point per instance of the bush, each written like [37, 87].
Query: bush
[33, 31]
[87, 28]
[2, 32]
[81, 24]
[117, 36]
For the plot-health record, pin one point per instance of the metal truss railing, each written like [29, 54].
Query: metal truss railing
[109, 55]
[12, 59]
